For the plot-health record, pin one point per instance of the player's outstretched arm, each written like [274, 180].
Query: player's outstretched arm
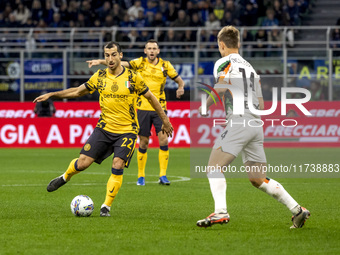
[180, 90]
[166, 127]
[96, 62]
[66, 93]
[261, 103]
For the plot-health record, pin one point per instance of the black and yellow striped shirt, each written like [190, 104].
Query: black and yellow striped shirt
[155, 78]
[118, 95]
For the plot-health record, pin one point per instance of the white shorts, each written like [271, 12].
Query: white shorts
[238, 137]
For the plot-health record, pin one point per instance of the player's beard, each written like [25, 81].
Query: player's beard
[113, 66]
[152, 58]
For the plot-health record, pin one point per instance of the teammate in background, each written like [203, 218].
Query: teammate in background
[117, 128]
[154, 70]
[233, 70]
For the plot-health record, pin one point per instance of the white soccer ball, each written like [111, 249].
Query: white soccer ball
[82, 206]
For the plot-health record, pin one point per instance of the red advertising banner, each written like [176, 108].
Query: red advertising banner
[321, 129]
[308, 132]
[74, 122]
[79, 110]
[70, 132]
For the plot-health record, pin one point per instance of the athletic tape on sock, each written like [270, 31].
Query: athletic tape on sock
[142, 150]
[117, 171]
[164, 148]
[75, 165]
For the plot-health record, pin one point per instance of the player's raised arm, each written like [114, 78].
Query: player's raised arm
[66, 93]
[96, 62]
[166, 127]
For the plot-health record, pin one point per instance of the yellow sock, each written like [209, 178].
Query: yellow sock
[163, 157]
[71, 170]
[113, 185]
[141, 160]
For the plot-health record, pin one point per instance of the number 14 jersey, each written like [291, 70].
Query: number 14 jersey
[236, 71]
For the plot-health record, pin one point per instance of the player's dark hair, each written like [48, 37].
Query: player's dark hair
[113, 44]
[230, 36]
[152, 41]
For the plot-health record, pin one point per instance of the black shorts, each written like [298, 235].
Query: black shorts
[101, 144]
[146, 119]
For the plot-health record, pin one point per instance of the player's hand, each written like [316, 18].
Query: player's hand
[42, 98]
[167, 128]
[179, 92]
[93, 62]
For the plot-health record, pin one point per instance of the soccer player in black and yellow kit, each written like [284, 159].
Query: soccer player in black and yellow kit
[117, 128]
[154, 70]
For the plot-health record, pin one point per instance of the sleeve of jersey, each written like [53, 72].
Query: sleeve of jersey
[135, 63]
[91, 84]
[140, 86]
[172, 73]
[221, 69]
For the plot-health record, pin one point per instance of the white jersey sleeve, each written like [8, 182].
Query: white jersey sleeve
[222, 69]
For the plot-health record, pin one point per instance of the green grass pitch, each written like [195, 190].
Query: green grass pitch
[160, 219]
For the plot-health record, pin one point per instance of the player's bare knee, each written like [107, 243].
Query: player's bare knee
[163, 141]
[84, 162]
[162, 138]
[143, 142]
[118, 163]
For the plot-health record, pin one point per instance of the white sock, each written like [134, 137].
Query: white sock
[296, 210]
[218, 187]
[104, 205]
[277, 191]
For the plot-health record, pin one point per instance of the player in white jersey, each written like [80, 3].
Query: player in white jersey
[240, 137]
[236, 71]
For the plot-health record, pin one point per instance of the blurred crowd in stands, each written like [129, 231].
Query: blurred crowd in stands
[335, 40]
[151, 13]
[208, 14]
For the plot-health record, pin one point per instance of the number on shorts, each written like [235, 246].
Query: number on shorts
[125, 141]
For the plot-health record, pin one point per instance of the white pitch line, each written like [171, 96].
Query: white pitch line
[180, 179]
[43, 185]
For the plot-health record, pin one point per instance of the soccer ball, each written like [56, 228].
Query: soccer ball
[82, 206]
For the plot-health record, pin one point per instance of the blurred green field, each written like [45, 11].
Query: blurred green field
[160, 219]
